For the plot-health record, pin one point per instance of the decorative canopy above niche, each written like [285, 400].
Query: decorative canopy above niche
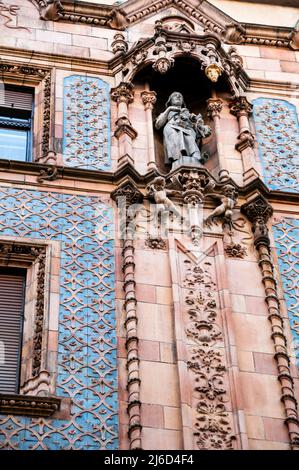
[162, 50]
[202, 12]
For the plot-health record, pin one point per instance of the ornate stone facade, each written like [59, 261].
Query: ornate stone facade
[83, 226]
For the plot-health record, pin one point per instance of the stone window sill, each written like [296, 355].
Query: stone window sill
[27, 405]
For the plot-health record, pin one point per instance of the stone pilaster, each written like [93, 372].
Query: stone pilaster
[124, 132]
[214, 109]
[149, 99]
[242, 109]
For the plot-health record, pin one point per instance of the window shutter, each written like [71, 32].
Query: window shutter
[11, 323]
[16, 99]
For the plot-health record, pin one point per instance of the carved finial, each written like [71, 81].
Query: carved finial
[119, 44]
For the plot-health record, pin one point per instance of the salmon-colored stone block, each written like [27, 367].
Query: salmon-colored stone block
[167, 352]
[123, 437]
[172, 418]
[159, 383]
[291, 67]
[161, 439]
[121, 347]
[164, 295]
[152, 416]
[253, 333]
[276, 430]
[255, 427]
[274, 53]
[145, 293]
[267, 445]
[261, 395]
[245, 361]
[238, 303]
[265, 363]
[265, 64]
[249, 279]
[149, 350]
[256, 305]
[155, 322]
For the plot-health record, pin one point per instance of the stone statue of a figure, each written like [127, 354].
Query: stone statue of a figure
[182, 130]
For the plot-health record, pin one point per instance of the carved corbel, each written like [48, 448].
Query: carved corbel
[294, 38]
[234, 34]
[258, 212]
[52, 11]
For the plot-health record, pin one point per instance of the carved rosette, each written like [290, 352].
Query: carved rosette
[212, 429]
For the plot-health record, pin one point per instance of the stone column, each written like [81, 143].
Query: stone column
[214, 109]
[124, 132]
[258, 211]
[126, 196]
[149, 98]
[242, 109]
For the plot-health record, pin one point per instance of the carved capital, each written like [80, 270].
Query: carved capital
[124, 93]
[119, 44]
[241, 107]
[258, 212]
[127, 194]
[245, 140]
[214, 107]
[149, 98]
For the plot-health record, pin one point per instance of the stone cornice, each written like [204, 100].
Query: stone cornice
[128, 171]
[26, 405]
[201, 11]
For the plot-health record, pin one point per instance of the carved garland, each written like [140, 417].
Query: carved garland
[258, 212]
[125, 196]
[206, 361]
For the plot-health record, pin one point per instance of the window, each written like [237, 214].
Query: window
[12, 288]
[16, 105]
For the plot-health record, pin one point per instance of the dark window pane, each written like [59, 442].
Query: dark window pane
[13, 144]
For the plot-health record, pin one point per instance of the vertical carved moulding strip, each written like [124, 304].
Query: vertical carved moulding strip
[124, 131]
[277, 131]
[149, 99]
[39, 315]
[214, 109]
[125, 197]
[286, 236]
[258, 213]
[242, 109]
[201, 342]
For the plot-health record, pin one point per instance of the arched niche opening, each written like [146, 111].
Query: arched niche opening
[188, 78]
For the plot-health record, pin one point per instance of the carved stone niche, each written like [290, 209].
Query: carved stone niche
[37, 375]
